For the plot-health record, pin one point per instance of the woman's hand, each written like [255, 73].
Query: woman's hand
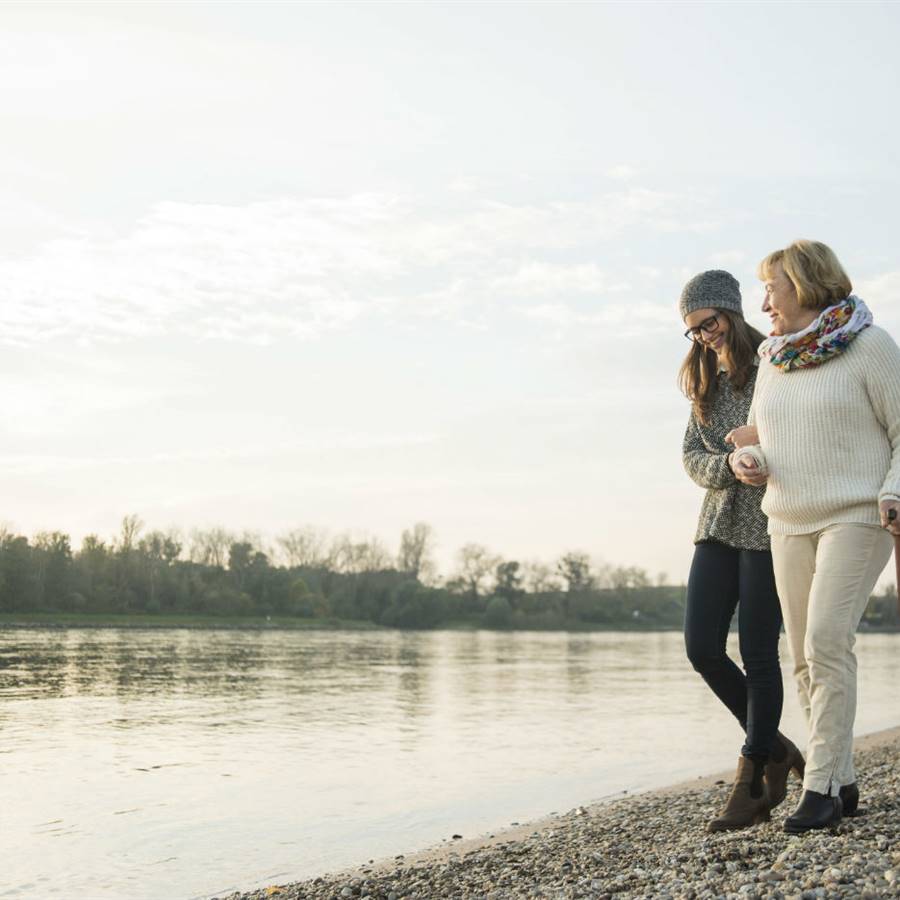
[743, 436]
[746, 471]
[885, 506]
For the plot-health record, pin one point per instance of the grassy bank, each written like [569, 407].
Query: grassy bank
[141, 620]
[293, 623]
[257, 623]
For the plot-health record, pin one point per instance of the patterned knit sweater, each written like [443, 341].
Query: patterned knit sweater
[831, 436]
[730, 513]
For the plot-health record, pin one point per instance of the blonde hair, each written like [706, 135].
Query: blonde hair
[813, 269]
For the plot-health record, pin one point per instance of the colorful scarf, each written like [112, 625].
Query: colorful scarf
[829, 335]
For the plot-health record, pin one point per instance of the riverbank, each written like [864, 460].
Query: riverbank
[653, 845]
[60, 621]
[171, 620]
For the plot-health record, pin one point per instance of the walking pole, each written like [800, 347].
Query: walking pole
[892, 514]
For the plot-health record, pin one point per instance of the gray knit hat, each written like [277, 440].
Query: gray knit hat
[715, 289]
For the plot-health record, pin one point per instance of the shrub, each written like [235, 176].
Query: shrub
[498, 613]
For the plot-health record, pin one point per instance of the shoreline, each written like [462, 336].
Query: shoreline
[145, 622]
[648, 845]
[148, 622]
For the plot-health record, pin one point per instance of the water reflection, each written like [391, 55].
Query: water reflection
[44, 664]
[184, 763]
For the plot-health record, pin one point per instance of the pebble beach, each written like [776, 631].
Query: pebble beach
[653, 845]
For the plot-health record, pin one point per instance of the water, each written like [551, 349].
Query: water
[185, 764]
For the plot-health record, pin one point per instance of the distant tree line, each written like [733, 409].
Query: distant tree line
[309, 575]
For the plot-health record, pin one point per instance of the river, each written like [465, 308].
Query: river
[160, 765]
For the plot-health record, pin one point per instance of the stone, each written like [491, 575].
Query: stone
[645, 848]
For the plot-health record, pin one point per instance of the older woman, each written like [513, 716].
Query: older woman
[826, 411]
[732, 566]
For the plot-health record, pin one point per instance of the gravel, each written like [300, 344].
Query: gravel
[656, 846]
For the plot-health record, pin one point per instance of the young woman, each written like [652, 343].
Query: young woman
[732, 565]
[827, 418]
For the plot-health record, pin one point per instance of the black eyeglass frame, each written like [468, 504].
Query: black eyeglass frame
[693, 334]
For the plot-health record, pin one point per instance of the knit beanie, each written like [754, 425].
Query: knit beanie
[715, 289]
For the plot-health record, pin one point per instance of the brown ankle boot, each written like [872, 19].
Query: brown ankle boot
[777, 772]
[749, 800]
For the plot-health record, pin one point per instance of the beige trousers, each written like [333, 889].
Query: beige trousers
[824, 580]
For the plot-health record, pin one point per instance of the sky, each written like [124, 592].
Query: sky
[356, 266]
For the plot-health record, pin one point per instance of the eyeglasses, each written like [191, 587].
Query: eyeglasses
[709, 326]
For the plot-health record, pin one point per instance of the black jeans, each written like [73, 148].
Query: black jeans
[720, 577]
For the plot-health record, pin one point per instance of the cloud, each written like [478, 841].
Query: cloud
[539, 278]
[301, 268]
[40, 405]
[627, 319]
[881, 290]
[621, 173]
[203, 270]
[465, 184]
[40, 464]
[882, 293]
[728, 257]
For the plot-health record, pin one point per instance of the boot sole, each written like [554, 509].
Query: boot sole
[758, 819]
[802, 829]
[793, 828]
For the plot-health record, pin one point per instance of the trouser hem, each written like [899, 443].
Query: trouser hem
[821, 785]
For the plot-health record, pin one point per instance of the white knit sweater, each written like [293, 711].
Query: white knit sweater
[831, 436]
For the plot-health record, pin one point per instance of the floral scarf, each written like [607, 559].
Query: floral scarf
[827, 336]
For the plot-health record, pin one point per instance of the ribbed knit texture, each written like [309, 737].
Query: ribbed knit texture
[831, 436]
[730, 513]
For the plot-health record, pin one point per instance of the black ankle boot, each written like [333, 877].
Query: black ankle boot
[815, 811]
[850, 800]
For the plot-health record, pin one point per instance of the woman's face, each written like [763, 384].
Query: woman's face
[709, 327]
[781, 303]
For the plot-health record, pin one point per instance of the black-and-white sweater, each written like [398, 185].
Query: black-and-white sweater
[731, 511]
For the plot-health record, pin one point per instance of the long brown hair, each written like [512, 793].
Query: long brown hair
[698, 375]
